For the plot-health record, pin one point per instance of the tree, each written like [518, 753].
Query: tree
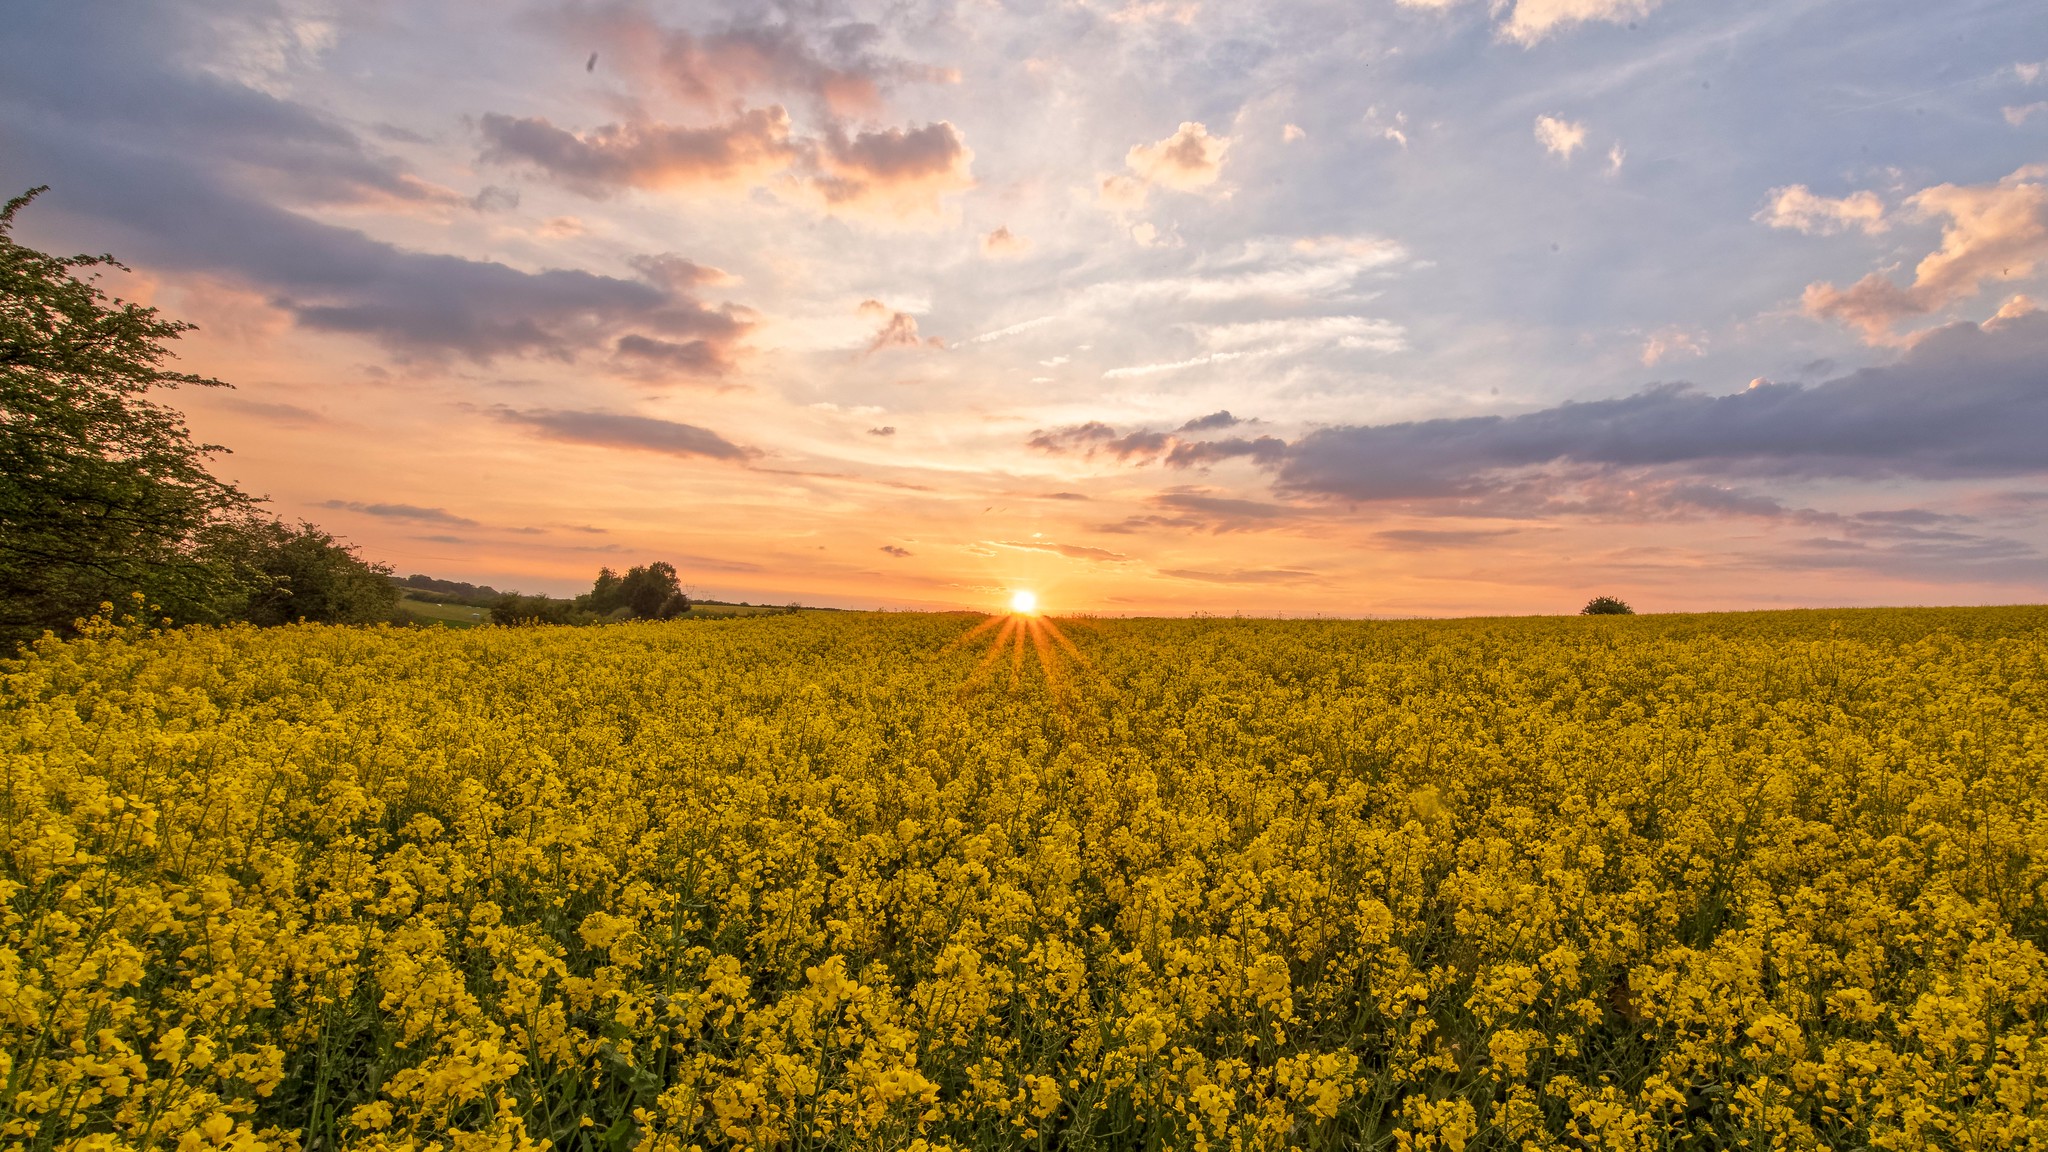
[1606, 606]
[652, 591]
[102, 489]
[278, 574]
[648, 592]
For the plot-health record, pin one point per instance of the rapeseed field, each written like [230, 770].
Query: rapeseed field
[835, 881]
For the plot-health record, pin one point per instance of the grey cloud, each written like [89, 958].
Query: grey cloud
[893, 550]
[1198, 511]
[1211, 422]
[409, 512]
[621, 430]
[179, 170]
[1200, 453]
[1964, 401]
[1144, 444]
[832, 66]
[690, 357]
[642, 155]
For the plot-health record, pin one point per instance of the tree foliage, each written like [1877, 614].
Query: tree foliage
[102, 489]
[1606, 606]
[277, 574]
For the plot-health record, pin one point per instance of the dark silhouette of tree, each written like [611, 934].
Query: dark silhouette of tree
[1606, 606]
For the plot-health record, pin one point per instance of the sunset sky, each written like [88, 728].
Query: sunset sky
[1368, 308]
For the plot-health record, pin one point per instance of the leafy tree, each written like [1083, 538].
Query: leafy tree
[102, 489]
[1606, 606]
[278, 574]
[607, 595]
[647, 592]
[653, 591]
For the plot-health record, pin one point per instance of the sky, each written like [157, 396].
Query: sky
[1386, 307]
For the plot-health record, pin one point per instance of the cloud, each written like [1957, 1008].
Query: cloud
[1187, 161]
[896, 173]
[1994, 232]
[1560, 137]
[1121, 192]
[1070, 551]
[832, 68]
[893, 550]
[1797, 207]
[1145, 445]
[1616, 157]
[1242, 575]
[620, 430]
[746, 150]
[1434, 538]
[1302, 333]
[409, 512]
[1291, 133]
[1012, 330]
[183, 173]
[893, 173]
[1964, 401]
[1671, 342]
[1532, 20]
[1212, 422]
[2018, 114]
[699, 357]
[1131, 370]
[1003, 242]
[885, 430]
[1202, 453]
[898, 331]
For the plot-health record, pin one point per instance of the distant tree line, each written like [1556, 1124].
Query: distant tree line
[648, 592]
[104, 493]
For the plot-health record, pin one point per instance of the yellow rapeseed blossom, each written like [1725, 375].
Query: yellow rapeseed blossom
[835, 881]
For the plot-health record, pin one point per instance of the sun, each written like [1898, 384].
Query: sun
[1023, 602]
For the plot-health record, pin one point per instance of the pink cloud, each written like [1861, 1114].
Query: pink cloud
[1994, 232]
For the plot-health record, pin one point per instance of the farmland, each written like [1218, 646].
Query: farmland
[944, 881]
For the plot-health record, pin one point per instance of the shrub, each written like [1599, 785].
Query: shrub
[1606, 606]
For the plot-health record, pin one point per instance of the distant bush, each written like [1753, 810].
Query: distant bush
[1606, 606]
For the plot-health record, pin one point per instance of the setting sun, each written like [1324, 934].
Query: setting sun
[1023, 602]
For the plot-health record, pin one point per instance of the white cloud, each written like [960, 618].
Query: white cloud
[1616, 156]
[2016, 114]
[1187, 161]
[1012, 330]
[1797, 207]
[1300, 333]
[2031, 73]
[1532, 20]
[1169, 366]
[1559, 136]
[1292, 132]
